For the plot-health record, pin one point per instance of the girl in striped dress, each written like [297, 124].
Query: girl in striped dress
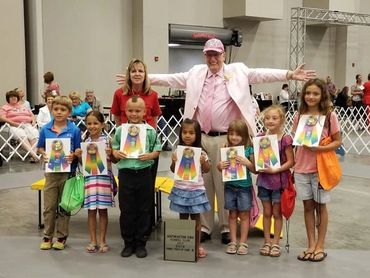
[99, 189]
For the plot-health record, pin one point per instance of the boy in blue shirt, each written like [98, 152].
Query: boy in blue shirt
[59, 127]
[135, 181]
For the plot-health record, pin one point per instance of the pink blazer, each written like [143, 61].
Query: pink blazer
[237, 76]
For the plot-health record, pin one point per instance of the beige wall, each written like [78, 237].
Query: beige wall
[12, 47]
[351, 6]
[87, 42]
[265, 44]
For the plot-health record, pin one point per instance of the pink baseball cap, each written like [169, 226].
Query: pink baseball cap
[214, 45]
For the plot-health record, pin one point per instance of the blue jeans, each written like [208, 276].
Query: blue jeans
[238, 198]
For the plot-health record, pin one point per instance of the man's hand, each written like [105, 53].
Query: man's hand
[121, 79]
[301, 74]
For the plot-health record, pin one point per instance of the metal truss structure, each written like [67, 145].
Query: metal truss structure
[300, 18]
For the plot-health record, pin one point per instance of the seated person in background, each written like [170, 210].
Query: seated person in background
[94, 103]
[284, 96]
[23, 101]
[52, 86]
[21, 121]
[44, 115]
[79, 108]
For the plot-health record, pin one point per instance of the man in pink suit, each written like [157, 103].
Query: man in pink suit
[217, 94]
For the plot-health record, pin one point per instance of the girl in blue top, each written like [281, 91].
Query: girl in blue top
[238, 194]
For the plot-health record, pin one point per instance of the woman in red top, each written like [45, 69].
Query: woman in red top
[137, 84]
[366, 98]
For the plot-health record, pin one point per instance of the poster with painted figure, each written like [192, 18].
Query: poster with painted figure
[187, 167]
[133, 139]
[94, 158]
[309, 130]
[56, 150]
[266, 152]
[235, 171]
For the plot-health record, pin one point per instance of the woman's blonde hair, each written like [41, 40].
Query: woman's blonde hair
[275, 107]
[128, 84]
[74, 94]
[240, 127]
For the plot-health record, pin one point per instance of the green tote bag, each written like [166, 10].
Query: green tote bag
[73, 193]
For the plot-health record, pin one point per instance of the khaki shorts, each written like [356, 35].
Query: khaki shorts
[307, 186]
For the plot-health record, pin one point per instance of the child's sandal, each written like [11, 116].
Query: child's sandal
[231, 248]
[91, 248]
[242, 249]
[275, 251]
[265, 250]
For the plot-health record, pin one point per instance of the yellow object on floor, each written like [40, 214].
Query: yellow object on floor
[259, 225]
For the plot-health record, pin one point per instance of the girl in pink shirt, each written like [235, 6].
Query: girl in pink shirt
[315, 101]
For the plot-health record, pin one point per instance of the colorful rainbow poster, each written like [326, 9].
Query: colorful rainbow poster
[309, 130]
[56, 149]
[133, 139]
[236, 171]
[94, 158]
[187, 167]
[266, 152]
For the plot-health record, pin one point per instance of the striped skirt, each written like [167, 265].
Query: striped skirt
[98, 192]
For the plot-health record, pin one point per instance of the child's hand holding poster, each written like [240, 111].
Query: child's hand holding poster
[309, 130]
[133, 139]
[266, 152]
[187, 165]
[235, 171]
[94, 158]
[56, 149]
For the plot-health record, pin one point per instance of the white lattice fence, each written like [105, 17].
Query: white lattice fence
[354, 124]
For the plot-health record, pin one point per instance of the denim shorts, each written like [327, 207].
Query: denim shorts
[307, 186]
[269, 195]
[238, 198]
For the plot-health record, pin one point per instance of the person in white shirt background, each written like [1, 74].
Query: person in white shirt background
[284, 96]
[44, 116]
[254, 102]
